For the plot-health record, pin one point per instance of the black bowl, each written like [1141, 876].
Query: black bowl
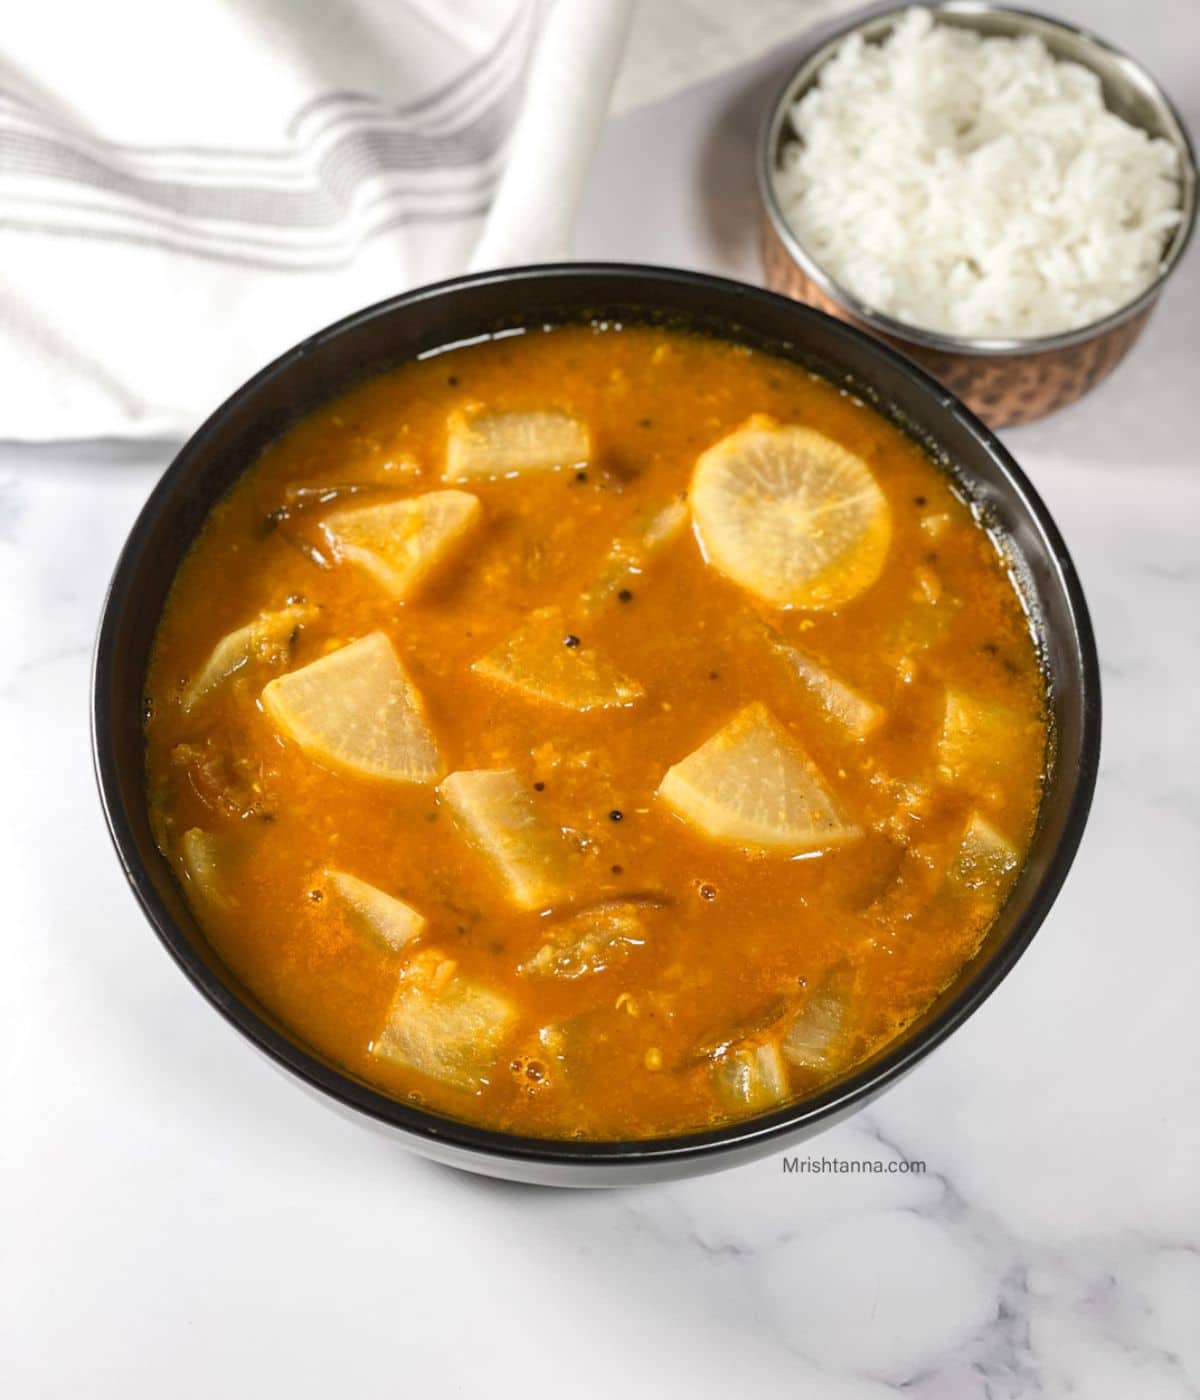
[472, 307]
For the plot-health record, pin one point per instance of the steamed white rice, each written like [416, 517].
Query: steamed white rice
[976, 186]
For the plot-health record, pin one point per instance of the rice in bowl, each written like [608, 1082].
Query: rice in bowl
[975, 185]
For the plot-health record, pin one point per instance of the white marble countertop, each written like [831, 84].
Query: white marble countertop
[179, 1219]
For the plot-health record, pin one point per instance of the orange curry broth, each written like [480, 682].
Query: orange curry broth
[740, 932]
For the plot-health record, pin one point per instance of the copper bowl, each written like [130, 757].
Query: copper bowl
[1004, 381]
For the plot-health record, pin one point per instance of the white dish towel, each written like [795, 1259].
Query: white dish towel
[187, 189]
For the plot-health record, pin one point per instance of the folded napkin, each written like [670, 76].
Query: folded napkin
[188, 189]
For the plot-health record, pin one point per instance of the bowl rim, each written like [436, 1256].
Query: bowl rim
[450, 1138]
[803, 73]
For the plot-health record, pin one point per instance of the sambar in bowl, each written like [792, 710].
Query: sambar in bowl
[608, 732]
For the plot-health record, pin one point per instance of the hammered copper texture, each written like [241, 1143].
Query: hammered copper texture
[1002, 389]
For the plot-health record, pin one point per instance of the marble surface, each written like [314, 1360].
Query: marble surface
[179, 1219]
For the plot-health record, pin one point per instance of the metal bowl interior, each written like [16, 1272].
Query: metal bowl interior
[1129, 91]
[434, 318]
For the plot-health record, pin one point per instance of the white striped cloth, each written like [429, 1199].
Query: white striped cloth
[187, 189]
